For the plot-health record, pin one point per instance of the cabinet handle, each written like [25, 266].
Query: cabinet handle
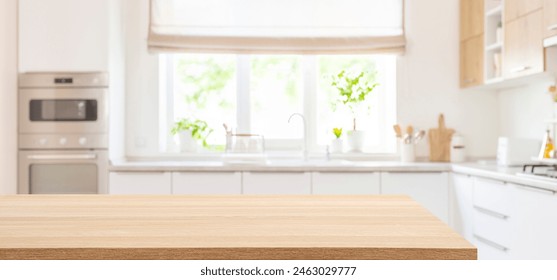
[491, 213]
[491, 243]
[415, 172]
[534, 189]
[552, 27]
[520, 69]
[63, 157]
[275, 172]
[489, 180]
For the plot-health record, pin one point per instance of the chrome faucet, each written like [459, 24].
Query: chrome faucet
[305, 148]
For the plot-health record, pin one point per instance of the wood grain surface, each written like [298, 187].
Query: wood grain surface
[223, 227]
[440, 141]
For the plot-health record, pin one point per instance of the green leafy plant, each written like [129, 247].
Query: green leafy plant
[200, 130]
[353, 90]
[337, 132]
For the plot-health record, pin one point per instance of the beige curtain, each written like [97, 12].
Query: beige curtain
[277, 26]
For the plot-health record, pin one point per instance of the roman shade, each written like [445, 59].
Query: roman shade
[277, 26]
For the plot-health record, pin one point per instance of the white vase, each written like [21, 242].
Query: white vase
[186, 142]
[336, 145]
[355, 140]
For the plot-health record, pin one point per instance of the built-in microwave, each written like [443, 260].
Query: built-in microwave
[63, 133]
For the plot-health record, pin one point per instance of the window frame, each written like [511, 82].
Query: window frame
[310, 69]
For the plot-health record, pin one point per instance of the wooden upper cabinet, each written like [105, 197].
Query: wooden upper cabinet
[471, 18]
[471, 62]
[550, 17]
[523, 53]
[518, 8]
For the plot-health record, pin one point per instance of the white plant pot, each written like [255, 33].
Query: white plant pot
[336, 145]
[186, 142]
[355, 140]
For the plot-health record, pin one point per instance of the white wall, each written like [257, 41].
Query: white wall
[8, 96]
[429, 79]
[522, 111]
[142, 83]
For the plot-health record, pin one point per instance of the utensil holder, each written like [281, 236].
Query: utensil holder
[407, 153]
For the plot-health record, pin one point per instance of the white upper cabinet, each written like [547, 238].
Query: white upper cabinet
[430, 189]
[346, 183]
[64, 35]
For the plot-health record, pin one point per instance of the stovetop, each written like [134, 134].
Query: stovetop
[541, 171]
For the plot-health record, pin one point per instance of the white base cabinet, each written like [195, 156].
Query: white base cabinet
[462, 205]
[346, 183]
[206, 182]
[430, 189]
[536, 216]
[277, 183]
[140, 183]
[494, 221]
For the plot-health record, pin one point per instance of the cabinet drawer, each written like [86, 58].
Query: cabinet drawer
[139, 183]
[492, 195]
[493, 226]
[345, 183]
[206, 183]
[276, 183]
[489, 250]
[430, 189]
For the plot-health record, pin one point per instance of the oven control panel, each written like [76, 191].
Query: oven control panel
[90, 141]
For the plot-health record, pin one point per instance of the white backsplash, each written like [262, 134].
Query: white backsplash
[522, 111]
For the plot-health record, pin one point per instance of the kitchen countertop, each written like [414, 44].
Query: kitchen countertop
[280, 165]
[506, 174]
[223, 227]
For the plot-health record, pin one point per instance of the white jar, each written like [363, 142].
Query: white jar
[407, 153]
[458, 149]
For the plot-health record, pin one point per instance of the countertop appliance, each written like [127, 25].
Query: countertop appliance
[63, 133]
[516, 151]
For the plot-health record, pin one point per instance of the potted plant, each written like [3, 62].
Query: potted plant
[353, 91]
[191, 132]
[336, 143]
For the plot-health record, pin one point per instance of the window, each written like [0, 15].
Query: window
[258, 93]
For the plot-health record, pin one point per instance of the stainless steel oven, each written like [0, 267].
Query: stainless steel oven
[63, 172]
[63, 133]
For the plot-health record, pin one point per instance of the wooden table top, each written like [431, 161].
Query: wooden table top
[223, 227]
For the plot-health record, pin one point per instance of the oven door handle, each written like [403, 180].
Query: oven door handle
[63, 157]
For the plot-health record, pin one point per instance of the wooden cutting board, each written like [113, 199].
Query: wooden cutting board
[440, 142]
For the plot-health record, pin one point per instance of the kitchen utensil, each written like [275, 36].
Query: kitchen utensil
[410, 130]
[418, 136]
[440, 141]
[398, 130]
[407, 139]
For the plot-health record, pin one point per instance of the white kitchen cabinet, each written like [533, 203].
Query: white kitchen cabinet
[430, 189]
[462, 205]
[64, 35]
[140, 183]
[206, 183]
[494, 220]
[346, 183]
[536, 216]
[276, 183]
